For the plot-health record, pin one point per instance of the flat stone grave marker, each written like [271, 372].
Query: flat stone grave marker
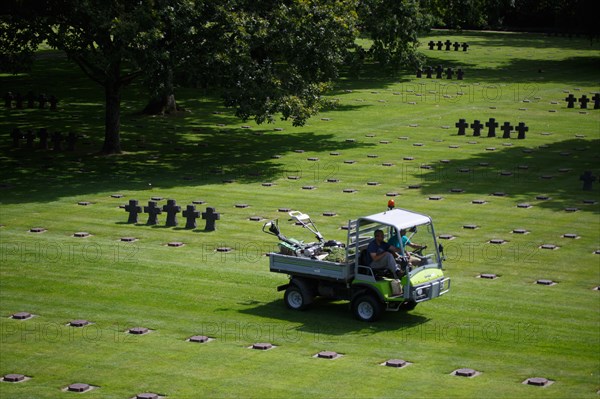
[435, 198]
[545, 282]
[372, 156]
[255, 218]
[520, 231]
[350, 161]
[497, 241]
[470, 226]
[79, 323]
[153, 211]
[117, 196]
[223, 249]
[333, 180]
[334, 154]
[571, 235]
[414, 186]
[175, 244]
[372, 183]
[524, 205]
[479, 202]
[488, 276]
[408, 158]
[283, 210]
[571, 209]
[15, 378]
[398, 363]
[21, 316]
[446, 237]
[199, 339]
[293, 177]
[37, 230]
[538, 381]
[548, 246]
[81, 234]
[308, 187]
[327, 355]
[329, 214]
[465, 372]
[349, 190]
[138, 331]
[78, 387]
[128, 239]
[148, 395]
[263, 346]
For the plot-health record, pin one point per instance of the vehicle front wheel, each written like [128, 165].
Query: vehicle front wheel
[366, 308]
[295, 298]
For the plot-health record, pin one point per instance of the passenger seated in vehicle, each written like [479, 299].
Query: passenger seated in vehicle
[383, 255]
[413, 260]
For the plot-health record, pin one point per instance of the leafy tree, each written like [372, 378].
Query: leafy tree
[267, 57]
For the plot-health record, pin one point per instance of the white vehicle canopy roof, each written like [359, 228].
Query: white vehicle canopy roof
[399, 218]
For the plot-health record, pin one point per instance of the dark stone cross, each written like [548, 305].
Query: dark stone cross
[465, 46]
[172, 209]
[584, 101]
[438, 71]
[491, 125]
[521, 128]
[587, 178]
[428, 71]
[134, 210]
[596, 99]
[8, 97]
[449, 73]
[461, 125]
[191, 214]
[431, 44]
[439, 45]
[570, 99]
[30, 137]
[42, 100]
[30, 99]
[57, 139]
[43, 136]
[456, 46]
[19, 101]
[507, 128]
[210, 216]
[16, 137]
[419, 73]
[153, 211]
[459, 74]
[448, 43]
[71, 141]
[476, 126]
[53, 102]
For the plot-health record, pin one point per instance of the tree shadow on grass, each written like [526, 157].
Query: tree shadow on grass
[212, 156]
[521, 173]
[327, 318]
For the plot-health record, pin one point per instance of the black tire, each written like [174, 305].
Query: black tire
[297, 298]
[367, 308]
[408, 305]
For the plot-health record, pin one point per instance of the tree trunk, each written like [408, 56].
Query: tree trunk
[160, 105]
[112, 118]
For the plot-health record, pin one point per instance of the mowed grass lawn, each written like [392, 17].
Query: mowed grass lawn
[508, 329]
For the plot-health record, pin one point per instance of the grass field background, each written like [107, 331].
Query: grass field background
[509, 329]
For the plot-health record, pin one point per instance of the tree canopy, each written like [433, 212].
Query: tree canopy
[268, 58]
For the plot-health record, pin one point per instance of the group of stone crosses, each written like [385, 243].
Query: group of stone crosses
[447, 44]
[43, 135]
[477, 126]
[584, 100]
[30, 100]
[172, 210]
[439, 71]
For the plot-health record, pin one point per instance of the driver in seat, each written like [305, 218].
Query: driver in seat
[413, 260]
[383, 255]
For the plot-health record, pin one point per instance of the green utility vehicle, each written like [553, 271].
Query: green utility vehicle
[335, 270]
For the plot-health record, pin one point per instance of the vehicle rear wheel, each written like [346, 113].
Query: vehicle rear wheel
[296, 298]
[366, 308]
